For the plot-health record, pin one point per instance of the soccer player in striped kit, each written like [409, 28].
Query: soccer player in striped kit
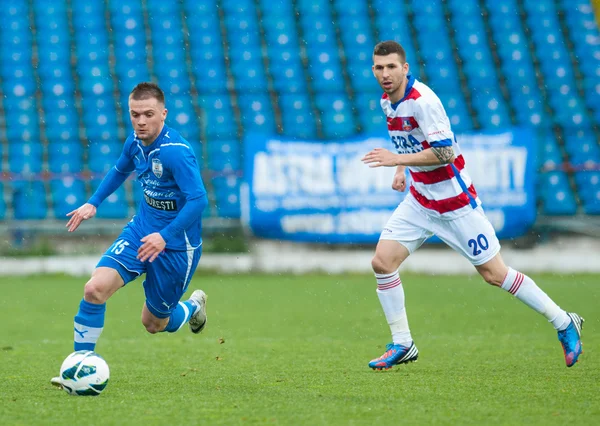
[442, 200]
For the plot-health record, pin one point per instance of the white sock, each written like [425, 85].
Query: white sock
[527, 291]
[391, 296]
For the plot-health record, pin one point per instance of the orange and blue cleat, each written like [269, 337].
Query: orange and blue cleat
[394, 355]
[570, 339]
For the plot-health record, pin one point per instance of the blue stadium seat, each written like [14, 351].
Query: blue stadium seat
[65, 157]
[361, 78]
[257, 113]
[569, 109]
[232, 6]
[557, 196]
[582, 146]
[227, 193]
[61, 124]
[271, 9]
[224, 155]
[29, 200]
[297, 115]
[550, 157]
[219, 118]
[355, 8]
[355, 33]
[371, 116]
[25, 158]
[592, 93]
[317, 9]
[280, 32]
[481, 74]
[115, 206]
[2, 202]
[443, 77]
[129, 78]
[588, 183]
[68, 194]
[125, 7]
[286, 70]
[491, 109]
[103, 156]
[539, 8]
[337, 117]
[529, 108]
[22, 127]
[89, 17]
[249, 76]
[456, 109]
[318, 32]
[325, 70]
[183, 116]
[242, 30]
[210, 75]
[199, 7]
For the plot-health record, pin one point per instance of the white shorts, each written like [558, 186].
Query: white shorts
[472, 235]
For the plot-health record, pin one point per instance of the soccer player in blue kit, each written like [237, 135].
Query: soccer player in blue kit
[163, 240]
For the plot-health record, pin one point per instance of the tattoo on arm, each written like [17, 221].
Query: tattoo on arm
[445, 154]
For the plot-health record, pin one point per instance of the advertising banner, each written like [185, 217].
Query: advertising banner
[320, 191]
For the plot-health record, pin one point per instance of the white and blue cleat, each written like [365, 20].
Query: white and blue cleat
[395, 355]
[570, 339]
[198, 320]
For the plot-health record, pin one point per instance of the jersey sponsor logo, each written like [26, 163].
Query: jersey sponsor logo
[157, 167]
[167, 205]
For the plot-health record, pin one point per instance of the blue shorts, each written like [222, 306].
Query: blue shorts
[167, 277]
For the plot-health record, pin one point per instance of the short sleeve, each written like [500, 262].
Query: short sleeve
[433, 121]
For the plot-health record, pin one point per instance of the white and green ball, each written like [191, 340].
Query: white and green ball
[84, 373]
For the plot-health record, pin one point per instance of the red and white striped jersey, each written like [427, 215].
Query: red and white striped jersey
[418, 122]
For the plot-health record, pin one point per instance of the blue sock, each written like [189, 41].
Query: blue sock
[89, 323]
[182, 314]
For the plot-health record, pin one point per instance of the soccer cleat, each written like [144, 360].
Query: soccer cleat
[570, 339]
[394, 355]
[198, 319]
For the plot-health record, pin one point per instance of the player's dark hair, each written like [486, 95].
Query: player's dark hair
[147, 90]
[388, 47]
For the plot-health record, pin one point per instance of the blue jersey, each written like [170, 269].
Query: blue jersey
[173, 192]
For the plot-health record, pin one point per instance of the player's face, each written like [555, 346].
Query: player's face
[391, 74]
[147, 117]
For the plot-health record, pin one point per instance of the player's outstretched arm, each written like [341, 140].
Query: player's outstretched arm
[85, 212]
[435, 156]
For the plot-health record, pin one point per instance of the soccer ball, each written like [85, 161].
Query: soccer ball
[84, 373]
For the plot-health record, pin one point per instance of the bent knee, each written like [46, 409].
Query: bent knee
[95, 291]
[152, 326]
[492, 278]
[382, 265]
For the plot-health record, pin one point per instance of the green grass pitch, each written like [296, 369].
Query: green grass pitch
[283, 349]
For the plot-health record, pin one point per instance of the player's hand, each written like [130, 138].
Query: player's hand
[85, 212]
[153, 245]
[381, 157]
[399, 183]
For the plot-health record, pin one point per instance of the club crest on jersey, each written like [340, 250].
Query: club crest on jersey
[406, 125]
[157, 167]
